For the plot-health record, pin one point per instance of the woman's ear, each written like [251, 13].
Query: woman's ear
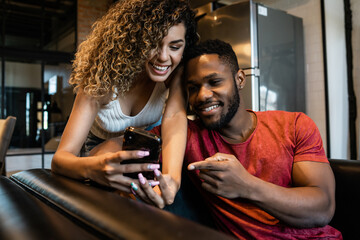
[240, 79]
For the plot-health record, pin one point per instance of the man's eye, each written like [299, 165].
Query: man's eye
[191, 89]
[215, 82]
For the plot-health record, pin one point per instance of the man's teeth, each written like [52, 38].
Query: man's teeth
[210, 108]
[160, 68]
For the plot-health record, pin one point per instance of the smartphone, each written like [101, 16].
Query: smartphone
[140, 139]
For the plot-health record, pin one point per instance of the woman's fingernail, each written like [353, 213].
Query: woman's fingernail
[157, 172]
[191, 167]
[133, 192]
[143, 153]
[141, 178]
[153, 166]
[154, 183]
[134, 186]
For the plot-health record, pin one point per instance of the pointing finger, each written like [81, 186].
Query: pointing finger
[209, 165]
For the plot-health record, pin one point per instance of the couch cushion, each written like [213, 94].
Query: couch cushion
[347, 196]
[23, 216]
[107, 212]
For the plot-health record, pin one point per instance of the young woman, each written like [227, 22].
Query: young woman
[122, 75]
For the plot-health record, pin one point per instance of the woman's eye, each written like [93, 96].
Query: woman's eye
[175, 47]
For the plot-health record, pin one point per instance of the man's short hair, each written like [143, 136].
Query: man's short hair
[215, 46]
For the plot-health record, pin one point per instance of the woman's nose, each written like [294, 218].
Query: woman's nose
[163, 55]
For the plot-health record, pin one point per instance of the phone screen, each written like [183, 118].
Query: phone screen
[139, 139]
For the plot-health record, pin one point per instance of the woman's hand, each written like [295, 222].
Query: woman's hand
[108, 170]
[159, 193]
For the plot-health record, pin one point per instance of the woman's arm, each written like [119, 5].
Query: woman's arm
[66, 160]
[103, 167]
[174, 130]
[174, 137]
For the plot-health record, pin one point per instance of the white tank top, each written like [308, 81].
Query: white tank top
[111, 121]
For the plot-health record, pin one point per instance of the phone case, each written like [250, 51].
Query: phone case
[139, 139]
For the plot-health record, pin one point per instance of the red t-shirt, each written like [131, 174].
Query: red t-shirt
[279, 139]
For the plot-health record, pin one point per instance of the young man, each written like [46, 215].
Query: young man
[264, 175]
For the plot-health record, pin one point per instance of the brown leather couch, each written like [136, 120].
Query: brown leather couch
[347, 195]
[37, 204]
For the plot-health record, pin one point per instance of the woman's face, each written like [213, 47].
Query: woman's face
[164, 60]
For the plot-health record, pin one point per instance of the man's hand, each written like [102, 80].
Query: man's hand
[309, 203]
[224, 175]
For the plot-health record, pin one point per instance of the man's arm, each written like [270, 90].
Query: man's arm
[309, 203]
[311, 200]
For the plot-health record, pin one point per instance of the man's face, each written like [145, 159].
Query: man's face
[213, 93]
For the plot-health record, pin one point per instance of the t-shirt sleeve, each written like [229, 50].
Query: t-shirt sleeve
[308, 142]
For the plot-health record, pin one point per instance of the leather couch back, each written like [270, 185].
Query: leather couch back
[347, 196]
[105, 213]
[24, 217]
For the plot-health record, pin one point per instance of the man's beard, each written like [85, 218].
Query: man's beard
[226, 118]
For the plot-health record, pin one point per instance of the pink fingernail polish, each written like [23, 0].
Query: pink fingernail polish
[153, 166]
[143, 153]
[157, 172]
[154, 183]
[141, 178]
[132, 191]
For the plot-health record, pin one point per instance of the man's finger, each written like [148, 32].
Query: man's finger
[207, 164]
[210, 188]
[209, 176]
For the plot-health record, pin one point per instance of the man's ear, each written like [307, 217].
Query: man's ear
[240, 79]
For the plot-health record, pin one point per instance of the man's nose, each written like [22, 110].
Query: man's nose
[204, 93]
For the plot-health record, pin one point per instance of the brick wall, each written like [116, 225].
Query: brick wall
[88, 12]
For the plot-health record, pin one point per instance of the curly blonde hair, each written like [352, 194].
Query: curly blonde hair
[115, 52]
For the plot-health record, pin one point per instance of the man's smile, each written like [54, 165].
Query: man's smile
[208, 108]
